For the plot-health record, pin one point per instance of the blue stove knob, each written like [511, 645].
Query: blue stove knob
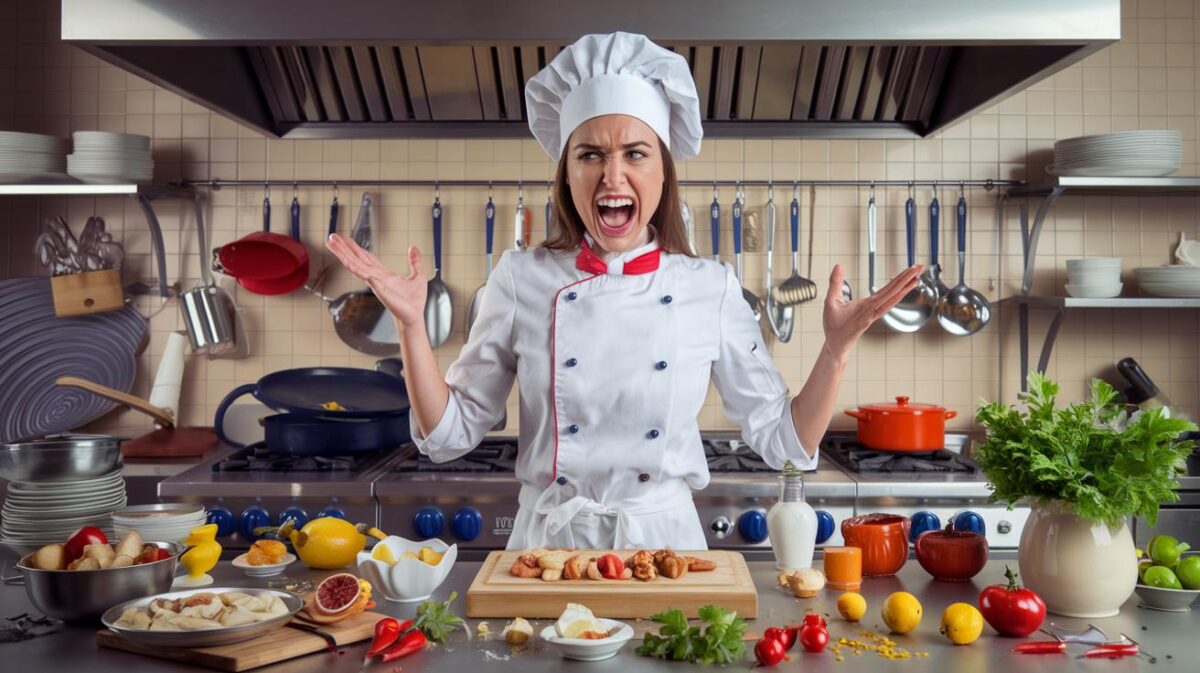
[253, 517]
[294, 513]
[753, 526]
[428, 522]
[968, 520]
[824, 526]
[224, 520]
[331, 511]
[467, 524]
[921, 522]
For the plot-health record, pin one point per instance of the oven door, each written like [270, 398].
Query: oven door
[1179, 519]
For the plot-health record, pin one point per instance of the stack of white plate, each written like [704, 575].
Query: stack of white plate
[37, 513]
[166, 522]
[26, 157]
[103, 157]
[1127, 154]
[1094, 277]
[1177, 280]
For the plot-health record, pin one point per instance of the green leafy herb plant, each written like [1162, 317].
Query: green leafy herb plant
[719, 642]
[1091, 457]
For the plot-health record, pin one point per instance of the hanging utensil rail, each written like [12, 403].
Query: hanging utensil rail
[217, 183]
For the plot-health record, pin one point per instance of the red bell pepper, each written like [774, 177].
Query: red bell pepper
[1012, 610]
[411, 642]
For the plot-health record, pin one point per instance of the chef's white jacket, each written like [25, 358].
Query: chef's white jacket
[613, 373]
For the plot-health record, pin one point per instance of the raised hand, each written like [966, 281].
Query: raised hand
[845, 321]
[404, 296]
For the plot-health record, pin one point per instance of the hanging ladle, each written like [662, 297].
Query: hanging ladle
[915, 309]
[963, 311]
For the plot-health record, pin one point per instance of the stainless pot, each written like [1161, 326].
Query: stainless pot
[208, 311]
[61, 458]
[84, 595]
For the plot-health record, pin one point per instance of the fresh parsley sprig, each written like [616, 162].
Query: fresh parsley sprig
[436, 620]
[720, 642]
[1090, 456]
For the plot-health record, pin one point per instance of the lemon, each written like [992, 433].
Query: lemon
[961, 623]
[852, 606]
[382, 553]
[410, 555]
[327, 543]
[429, 556]
[901, 612]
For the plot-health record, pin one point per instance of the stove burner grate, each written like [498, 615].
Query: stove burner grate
[256, 458]
[858, 458]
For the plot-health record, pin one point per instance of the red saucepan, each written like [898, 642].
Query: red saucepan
[291, 282]
[902, 426]
[263, 255]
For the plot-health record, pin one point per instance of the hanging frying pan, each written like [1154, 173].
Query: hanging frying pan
[264, 255]
[291, 282]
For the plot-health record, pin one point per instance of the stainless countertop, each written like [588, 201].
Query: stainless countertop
[73, 649]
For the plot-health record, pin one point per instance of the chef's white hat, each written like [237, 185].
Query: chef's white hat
[618, 73]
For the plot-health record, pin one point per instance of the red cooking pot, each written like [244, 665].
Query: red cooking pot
[264, 255]
[902, 426]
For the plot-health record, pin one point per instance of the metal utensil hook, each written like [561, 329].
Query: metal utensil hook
[715, 190]
[795, 190]
[912, 190]
[489, 191]
[872, 192]
[520, 193]
[738, 194]
[295, 190]
[335, 193]
[962, 189]
[266, 192]
[770, 192]
[437, 193]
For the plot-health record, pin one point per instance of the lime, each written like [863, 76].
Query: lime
[1165, 550]
[1162, 577]
[1188, 572]
[1143, 566]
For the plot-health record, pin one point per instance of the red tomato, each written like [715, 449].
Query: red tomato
[611, 566]
[1012, 610]
[82, 538]
[814, 635]
[150, 554]
[769, 651]
[787, 636]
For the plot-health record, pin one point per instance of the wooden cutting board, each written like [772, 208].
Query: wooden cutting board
[276, 646]
[497, 593]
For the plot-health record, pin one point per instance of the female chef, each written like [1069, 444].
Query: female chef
[611, 328]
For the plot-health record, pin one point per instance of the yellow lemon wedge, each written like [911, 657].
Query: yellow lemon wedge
[410, 555]
[428, 555]
[382, 553]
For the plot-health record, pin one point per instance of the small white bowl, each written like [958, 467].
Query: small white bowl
[591, 650]
[1167, 600]
[1094, 291]
[271, 570]
[409, 579]
[1093, 262]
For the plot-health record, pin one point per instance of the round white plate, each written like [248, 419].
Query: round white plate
[263, 571]
[590, 650]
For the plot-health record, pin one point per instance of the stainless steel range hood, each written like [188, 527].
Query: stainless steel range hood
[764, 68]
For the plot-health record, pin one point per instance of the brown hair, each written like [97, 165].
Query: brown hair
[567, 230]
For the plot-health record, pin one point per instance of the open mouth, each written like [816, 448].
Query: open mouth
[615, 215]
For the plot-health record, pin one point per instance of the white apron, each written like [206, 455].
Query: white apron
[613, 371]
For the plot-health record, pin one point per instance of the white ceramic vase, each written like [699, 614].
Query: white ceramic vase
[1079, 567]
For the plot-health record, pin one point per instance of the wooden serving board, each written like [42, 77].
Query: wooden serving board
[495, 592]
[279, 645]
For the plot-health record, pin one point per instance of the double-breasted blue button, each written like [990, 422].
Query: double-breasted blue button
[572, 428]
[562, 481]
[571, 296]
[653, 434]
[571, 362]
[660, 365]
[667, 299]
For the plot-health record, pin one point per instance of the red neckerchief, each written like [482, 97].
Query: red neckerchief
[587, 260]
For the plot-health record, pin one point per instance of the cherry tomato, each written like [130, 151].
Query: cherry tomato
[1012, 610]
[82, 538]
[611, 566]
[787, 636]
[769, 651]
[814, 635]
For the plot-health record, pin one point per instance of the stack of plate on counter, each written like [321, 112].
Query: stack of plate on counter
[164, 522]
[32, 157]
[103, 157]
[1177, 280]
[37, 513]
[1127, 154]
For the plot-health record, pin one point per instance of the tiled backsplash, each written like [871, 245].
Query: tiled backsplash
[1145, 81]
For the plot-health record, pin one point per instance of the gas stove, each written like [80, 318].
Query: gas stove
[473, 500]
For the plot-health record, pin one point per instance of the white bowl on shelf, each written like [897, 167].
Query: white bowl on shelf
[408, 579]
[1095, 291]
[580, 649]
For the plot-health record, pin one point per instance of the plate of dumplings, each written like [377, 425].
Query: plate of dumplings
[202, 618]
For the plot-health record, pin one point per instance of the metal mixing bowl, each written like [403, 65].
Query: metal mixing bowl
[61, 458]
[84, 595]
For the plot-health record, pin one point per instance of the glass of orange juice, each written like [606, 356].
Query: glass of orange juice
[843, 568]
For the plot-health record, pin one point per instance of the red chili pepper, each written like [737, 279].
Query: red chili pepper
[387, 630]
[411, 642]
[1041, 647]
[1111, 651]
